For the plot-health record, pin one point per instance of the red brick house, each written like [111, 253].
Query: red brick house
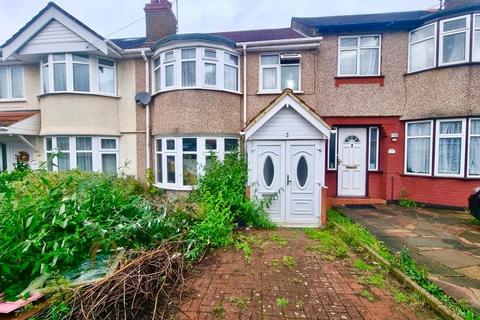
[377, 106]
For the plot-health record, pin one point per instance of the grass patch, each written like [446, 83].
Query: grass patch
[240, 302]
[289, 262]
[279, 241]
[219, 310]
[400, 297]
[368, 295]
[475, 221]
[362, 265]
[329, 244]
[376, 280]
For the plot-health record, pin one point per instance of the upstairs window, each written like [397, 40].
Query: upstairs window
[278, 72]
[210, 67]
[231, 72]
[422, 48]
[359, 55]
[67, 72]
[454, 40]
[156, 74]
[476, 38]
[189, 67]
[11, 83]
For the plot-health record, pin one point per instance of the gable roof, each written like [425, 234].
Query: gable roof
[389, 20]
[286, 98]
[51, 12]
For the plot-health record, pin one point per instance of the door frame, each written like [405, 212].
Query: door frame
[367, 144]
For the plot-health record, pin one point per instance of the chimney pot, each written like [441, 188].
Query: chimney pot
[160, 20]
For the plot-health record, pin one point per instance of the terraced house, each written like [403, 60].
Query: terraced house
[347, 108]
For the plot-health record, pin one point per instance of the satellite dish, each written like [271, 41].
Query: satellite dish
[143, 98]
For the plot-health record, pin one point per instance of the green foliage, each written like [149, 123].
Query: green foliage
[245, 243]
[282, 303]
[329, 242]
[400, 297]
[280, 241]
[289, 262]
[376, 280]
[368, 295]
[362, 265]
[407, 203]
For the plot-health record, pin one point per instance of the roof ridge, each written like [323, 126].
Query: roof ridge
[251, 30]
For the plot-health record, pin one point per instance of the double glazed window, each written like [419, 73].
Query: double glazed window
[359, 55]
[196, 68]
[11, 83]
[451, 140]
[279, 71]
[179, 160]
[67, 72]
[82, 153]
[453, 46]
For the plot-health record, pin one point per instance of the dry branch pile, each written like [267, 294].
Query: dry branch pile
[144, 287]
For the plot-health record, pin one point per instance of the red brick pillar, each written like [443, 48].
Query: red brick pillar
[323, 206]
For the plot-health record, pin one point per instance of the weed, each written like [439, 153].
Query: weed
[289, 262]
[280, 241]
[368, 295]
[245, 243]
[275, 264]
[475, 222]
[377, 280]
[219, 310]
[407, 203]
[329, 244]
[400, 297]
[282, 303]
[296, 280]
[362, 265]
[240, 302]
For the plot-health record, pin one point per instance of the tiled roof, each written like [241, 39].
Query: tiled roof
[8, 118]
[38, 15]
[383, 20]
[131, 43]
[215, 38]
[261, 34]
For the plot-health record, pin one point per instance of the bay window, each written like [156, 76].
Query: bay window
[279, 72]
[422, 48]
[11, 83]
[66, 72]
[418, 147]
[192, 68]
[476, 38]
[373, 149]
[454, 40]
[98, 154]
[474, 148]
[180, 160]
[450, 146]
[359, 55]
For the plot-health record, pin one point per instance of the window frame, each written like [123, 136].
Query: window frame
[467, 30]
[474, 47]
[430, 160]
[358, 48]
[439, 136]
[278, 67]
[94, 83]
[435, 46]
[202, 153]
[377, 149]
[9, 79]
[468, 141]
[335, 132]
[97, 151]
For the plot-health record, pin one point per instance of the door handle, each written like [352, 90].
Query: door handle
[288, 179]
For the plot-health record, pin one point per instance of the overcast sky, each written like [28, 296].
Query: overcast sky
[108, 16]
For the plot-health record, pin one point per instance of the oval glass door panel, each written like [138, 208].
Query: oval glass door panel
[268, 171]
[302, 171]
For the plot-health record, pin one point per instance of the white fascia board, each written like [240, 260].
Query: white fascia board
[53, 14]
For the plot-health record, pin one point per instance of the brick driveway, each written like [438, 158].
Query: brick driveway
[225, 286]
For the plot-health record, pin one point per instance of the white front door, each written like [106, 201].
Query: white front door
[352, 162]
[292, 172]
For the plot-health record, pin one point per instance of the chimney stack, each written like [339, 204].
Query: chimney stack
[449, 4]
[160, 20]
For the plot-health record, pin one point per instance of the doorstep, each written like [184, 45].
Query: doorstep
[341, 201]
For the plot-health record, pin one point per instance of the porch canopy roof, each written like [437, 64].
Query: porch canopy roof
[20, 123]
[290, 100]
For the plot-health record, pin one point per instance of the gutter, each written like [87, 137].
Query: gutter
[147, 109]
[253, 44]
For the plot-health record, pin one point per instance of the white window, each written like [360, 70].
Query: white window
[231, 72]
[476, 38]
[474, 148]
[332, 150]
[278, 72]
[418, 146]
[422, 48]
[67, 72]
[11, 83]
[454, 40]
[98, 154]
[192, 68]
[373, 149]
[450, 148]
[180, 160]
[359, 55]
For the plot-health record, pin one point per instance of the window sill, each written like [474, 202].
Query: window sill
[278, 92]
[196, 88]
[78, 93]
[343, 80]
[452, 65]
[410, 175]
[13, 100]
[173, 187]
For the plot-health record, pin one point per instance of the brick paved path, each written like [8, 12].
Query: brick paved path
[225, 286]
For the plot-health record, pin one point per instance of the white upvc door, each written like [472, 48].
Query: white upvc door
[352, 162]
[304, 180]
[268, 159]
[292, 173]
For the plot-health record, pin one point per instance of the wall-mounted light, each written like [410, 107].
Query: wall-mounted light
[394, 136]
